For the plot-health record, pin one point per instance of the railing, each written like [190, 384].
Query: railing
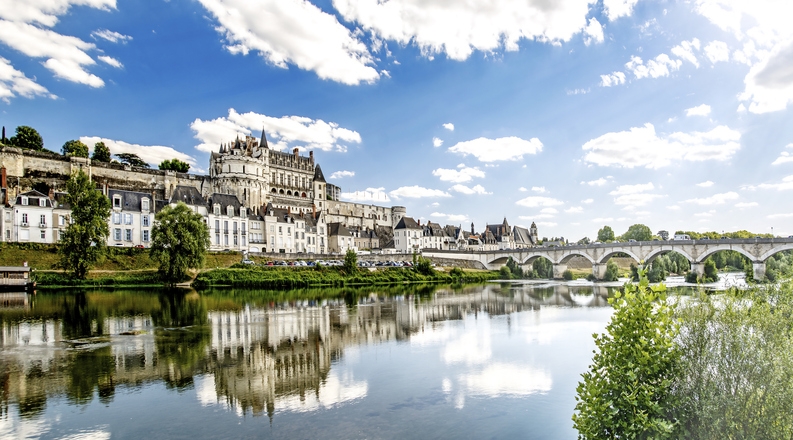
[13, 281]
[42, 225]
[24, 224]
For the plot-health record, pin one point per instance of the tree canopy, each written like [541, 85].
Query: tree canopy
[638, 232]
[75, 148]
[175, 165]
[132, 159]
[101, 152]
[83, 242]
[605, 234]
[27, 137]
[180, 239]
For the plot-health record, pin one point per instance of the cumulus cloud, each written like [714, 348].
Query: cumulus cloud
[416, 192]
[282, 133]
[458, 28]
[655, 68]
[633, 189]
[449, 126]
[642, 147]
[744, 205]
[342, 174]
[574, 210]
[437, 142]
[700, 110]
[588, 201]
[705, 184]
[501, 149]
[618, 8]
[450, 217]
[597, 182]
[523, 189]
[785, 184]
[685, 50]
[477, 189]
[15, 83]
[367, 195]
[460, 175]
[151, 154]
[717, 51]
[294, 32]
[593, 32]
[716, 199]
[539, 189]
[612, 79]
[784, 157]
[539, 202]
[111, 36]
[769, 83]
[111, 61]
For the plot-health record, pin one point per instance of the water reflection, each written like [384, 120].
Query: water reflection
[257, 352]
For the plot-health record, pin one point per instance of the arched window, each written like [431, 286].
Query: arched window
[274, 191]
[303, 195]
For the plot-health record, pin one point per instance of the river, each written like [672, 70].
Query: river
[496, 361]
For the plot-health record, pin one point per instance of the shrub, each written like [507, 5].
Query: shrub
[591, 277]
[424, 266]
[456, 272]
[504, 273]
[612, 271]
[567, 275]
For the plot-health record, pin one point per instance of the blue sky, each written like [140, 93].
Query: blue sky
[571, 113]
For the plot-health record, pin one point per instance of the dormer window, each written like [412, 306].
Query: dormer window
[117, 201]
[42, 202]
[230, 211]
[144, 205]
[24, 200]
[216, 209]
[242, 212]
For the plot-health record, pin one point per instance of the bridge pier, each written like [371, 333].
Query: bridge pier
[558, 270]
[698, 268]
[758, 270]
[599, 270]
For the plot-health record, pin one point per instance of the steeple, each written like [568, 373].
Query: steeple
[318, 176]
[263, 143]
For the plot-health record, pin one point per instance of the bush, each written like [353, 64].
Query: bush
[424, 266]
[456, 272]
[612, 271]
[691, 277]
[627, 391]
[567, 275]
[591, 277]
[504, 273]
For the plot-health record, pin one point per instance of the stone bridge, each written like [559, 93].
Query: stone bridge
[758, 250]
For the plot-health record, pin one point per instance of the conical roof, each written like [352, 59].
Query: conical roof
[318, 176]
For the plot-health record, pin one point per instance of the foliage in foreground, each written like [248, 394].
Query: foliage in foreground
[180, 239]
[84, 239]
[627, 391]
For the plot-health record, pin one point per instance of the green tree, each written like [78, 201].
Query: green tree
[711, 273]
[83, 241]
[583, 241]
[180, 239]
[424, 266]
[542, 268]
[504, 273]
[638, 232]
[627, 391]
[75, 148]
[350, 261]
[612, 271]
[567, 275]
[517, 271]
[175, 165]
[132, 159]
[101, 152]
[27, 137]
[605, 234]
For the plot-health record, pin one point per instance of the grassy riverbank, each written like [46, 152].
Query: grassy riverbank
[271, 277]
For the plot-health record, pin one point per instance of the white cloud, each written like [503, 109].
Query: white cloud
[282, 133]
[593, 32]
[549, 211]
[15, 83]
[673, 207]
[588, 201]
[717, 51]
[784, 157]
[633, 189]
[685, 50]
[523, 189]
[294, 32]
[46, 12]
[705, 214]
[705, 184]
[618, 8]
[416, 192]
[437, 142]
[111, 61]
[655, 68]
[539, 189]
[700, 110]
[744, 205]
[597, 182]
[367, 195]
[459, 28]
[111, 36]
[151, 154]
[769, 83]
[716, 199]
[464, 174]
[577, 92]
[642, 147]
[785, 184]
[449, 126]
[492, 150]
[612, 79]
[342, 174]
[574, 210]
[477, 189]
[538, 202]
[450, 217]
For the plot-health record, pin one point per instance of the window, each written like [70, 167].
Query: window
[145, 219]
[217, 239]
[117, 201]
[243, 228]
[127, 219]
[60, 235]
[117, 234]
[234, 227]
[243, 241]
[272, 228]
[230, 211]
[242, 212]
[226, 227]
[42, 202]
[289, 231]
[43, 234]
[24, 200]
[217, 225]
[144, 205]
[216, 209]
[61, 220]
[24, 218]
[280, 231]
[43, 220]
[235, 240]
[128, 234]
[226, 240]
[145, 235]
[116, 218]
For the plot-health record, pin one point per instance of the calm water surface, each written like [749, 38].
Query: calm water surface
[492, 361]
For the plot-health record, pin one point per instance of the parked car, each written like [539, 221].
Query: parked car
[246, 261]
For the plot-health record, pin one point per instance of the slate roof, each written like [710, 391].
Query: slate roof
[522, 235]
[130, 200]
[336, 229]
[407, 223]
[224, 200]
[318, 176]
[188, 194]
[33, 198]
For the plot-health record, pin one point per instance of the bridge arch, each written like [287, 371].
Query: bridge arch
[776, 250]
[567, 257]
[534, 257]
[605, 258]
[501, 261]
[657, 253]
[710, 252]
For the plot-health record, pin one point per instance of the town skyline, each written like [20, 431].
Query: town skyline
[586, 114]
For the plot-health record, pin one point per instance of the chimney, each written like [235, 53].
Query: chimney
[3, 178]
[313, 211]
[311, 157]
[289, 210]
[295, 151]
[472, 229]
[51, 195]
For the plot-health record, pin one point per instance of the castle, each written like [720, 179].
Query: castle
[253, 199]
